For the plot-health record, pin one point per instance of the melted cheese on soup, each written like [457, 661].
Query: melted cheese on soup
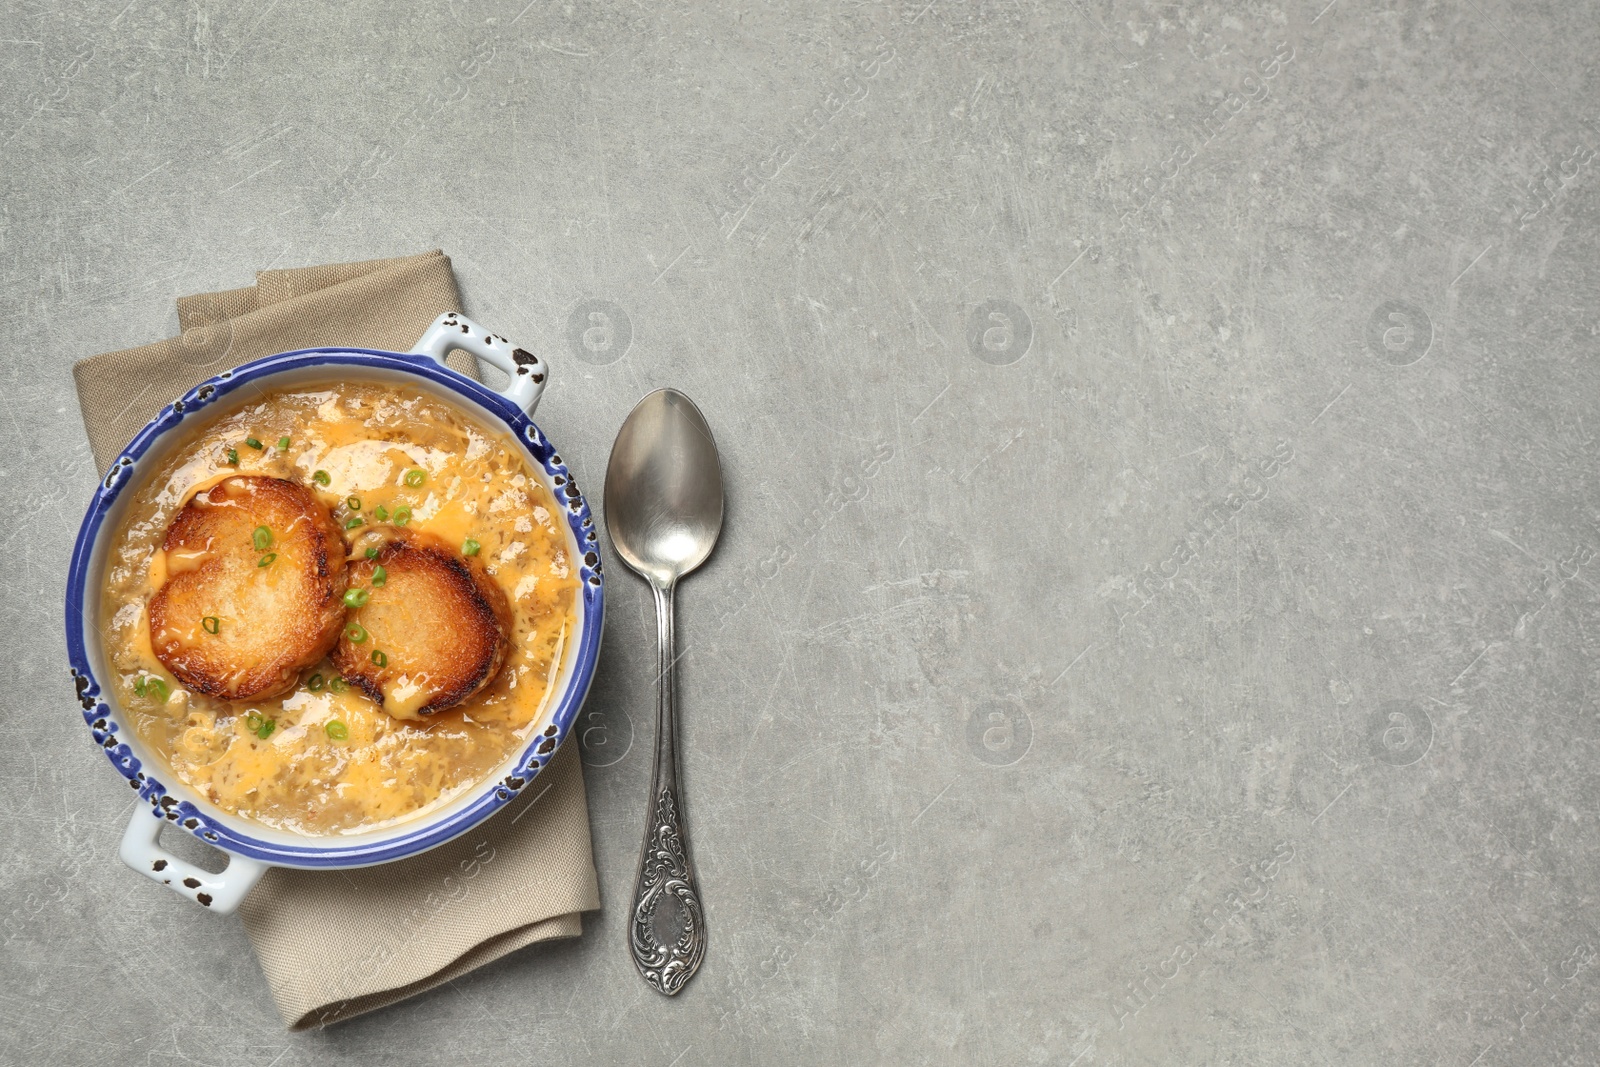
[323, 759]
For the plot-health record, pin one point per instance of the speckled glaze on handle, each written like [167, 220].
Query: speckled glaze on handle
[455, 330]
[221, 892]
[665, 869]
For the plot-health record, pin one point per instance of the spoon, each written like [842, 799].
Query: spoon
[664, 510]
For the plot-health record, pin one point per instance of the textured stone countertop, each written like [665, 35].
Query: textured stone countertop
[1157, 615]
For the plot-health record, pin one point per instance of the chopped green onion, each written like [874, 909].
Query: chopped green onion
[138, 686]
[470, 547]
[402, 515]
[233, 457]
[379, 658]
[211, 624]
[353, 521]
[353, 503]
[355, 598]
[267, 560]
[253, 443]
[321, 478]
[253, 721]
[356, 633]
[336, 730]
[262, 538]
[372, 553]
[283, 444]
[337, 685]
[314, 683]
[379, 576]
[380, 513]
[267, 728]
[155, 687]
[415, 478]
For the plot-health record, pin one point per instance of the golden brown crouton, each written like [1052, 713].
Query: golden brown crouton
[253, 595]
[434, 630]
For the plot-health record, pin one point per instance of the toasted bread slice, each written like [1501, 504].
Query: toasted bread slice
[225, 624]
[439, 624]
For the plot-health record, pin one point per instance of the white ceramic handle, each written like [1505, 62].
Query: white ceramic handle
[455, 330]
[219, 892]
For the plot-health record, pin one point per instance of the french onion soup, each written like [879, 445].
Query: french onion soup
[334, 609]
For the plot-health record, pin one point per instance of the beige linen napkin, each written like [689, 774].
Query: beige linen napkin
[334, 944]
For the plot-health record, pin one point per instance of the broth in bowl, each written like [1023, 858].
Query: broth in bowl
[455, 594]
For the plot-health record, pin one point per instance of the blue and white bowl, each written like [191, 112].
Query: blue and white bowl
[252, 846]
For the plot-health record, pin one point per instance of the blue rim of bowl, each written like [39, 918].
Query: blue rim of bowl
[107, 727]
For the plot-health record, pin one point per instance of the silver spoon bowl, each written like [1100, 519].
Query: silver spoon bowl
[663, 508]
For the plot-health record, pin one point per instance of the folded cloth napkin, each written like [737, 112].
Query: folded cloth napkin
[334, 944]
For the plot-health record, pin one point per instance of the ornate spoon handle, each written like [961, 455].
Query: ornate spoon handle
[665, 871]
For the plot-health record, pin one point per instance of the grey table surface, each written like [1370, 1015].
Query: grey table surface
[1156, 616]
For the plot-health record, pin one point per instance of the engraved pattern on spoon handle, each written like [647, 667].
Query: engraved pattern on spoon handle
[664, 866]
[664, 871]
